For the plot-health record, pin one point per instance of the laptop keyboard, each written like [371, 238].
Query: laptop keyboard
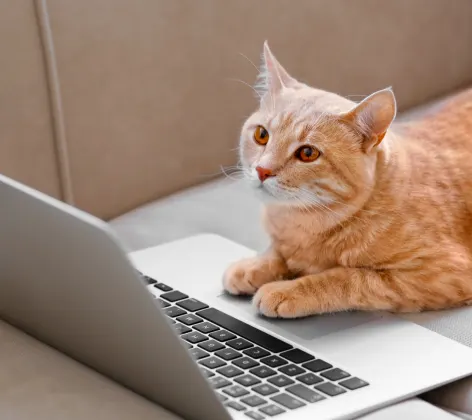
[250, 370]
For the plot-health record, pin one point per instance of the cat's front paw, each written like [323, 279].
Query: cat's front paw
[283, 299]
[246, 276]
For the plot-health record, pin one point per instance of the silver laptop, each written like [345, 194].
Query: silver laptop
[158, 322]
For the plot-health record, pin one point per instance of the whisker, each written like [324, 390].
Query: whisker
[247, 84]
[250, 61]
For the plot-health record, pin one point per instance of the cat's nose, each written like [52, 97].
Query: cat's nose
[263, 173]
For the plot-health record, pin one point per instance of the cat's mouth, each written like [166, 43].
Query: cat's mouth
[270, 191]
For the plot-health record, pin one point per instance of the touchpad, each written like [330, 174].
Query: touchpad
[308, 328]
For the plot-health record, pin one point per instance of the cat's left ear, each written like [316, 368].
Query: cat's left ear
[373, 116]
[272, 77]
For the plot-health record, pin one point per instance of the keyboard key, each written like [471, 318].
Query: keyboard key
[309, 379]
[236, 406]
[197, 353]
[222, 335]
[239, 344]
[280, 380]
[272, 410]
[247, 380]
[245, 363]
[244, 330]
[265, 389]
[163, 287]
[317, 365]
[206, 327]
[174, 296]
[291, 370]
[335, 374]
[353, 383]
[228, 354]
[235, 391]
[207, 372]
[181, 328]
[254, 415]
[253, 400]
[211, 345]
[173, 311]
[274, 361]
[222, 398]
[287, 401]
[218, 382]
[194, 337]
[330, 389]
[305, 393]
[263, 371]
[163, 303]
[189, 319]
[230, 371]
[192, 305]
[212, 362]
[256, 352]
[297, 356]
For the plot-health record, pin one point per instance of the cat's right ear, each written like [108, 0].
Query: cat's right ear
[373, 116]
[272, 77]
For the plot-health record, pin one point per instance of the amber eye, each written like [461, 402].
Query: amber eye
[307, 154]
[261, 135]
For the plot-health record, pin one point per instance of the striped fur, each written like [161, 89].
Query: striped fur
[381, 221]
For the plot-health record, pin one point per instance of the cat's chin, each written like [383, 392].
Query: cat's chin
[267, 193]
[269, 198]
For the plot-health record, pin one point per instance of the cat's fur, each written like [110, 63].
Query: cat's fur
[382, 220]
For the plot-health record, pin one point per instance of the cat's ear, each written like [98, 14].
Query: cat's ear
[272, 77]
[373, 116]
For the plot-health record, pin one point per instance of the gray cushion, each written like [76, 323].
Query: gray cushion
[228, 207]
[414, 408]
[223, 206]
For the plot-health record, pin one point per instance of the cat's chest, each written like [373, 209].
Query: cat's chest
[303, 250]
[307, 249]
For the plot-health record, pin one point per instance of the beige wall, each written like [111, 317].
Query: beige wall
[148, 102]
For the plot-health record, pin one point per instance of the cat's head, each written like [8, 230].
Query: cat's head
[307, 147]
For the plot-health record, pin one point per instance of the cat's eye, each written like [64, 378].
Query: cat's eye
[261, 136]
[307, 154]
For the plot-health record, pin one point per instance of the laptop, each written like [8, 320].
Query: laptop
[158, 322]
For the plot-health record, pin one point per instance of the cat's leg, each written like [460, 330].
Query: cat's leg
[245, 277]
[340, 289]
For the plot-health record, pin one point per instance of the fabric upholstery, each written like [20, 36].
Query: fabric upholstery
[147, 86]
[414, 409]
[27, 150]
[147, 100]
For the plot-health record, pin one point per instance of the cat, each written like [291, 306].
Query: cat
[363, 214]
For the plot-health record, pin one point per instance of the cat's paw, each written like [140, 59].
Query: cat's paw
[282, 299]
[246, 276]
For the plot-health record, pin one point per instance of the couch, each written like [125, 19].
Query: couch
[128, 109]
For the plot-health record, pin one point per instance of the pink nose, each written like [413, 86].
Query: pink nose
[263, 173]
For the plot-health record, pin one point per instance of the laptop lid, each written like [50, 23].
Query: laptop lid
[65, 280]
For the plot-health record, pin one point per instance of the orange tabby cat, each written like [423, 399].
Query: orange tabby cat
[363, 214]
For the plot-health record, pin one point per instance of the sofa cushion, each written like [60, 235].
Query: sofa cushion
[227, 207]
